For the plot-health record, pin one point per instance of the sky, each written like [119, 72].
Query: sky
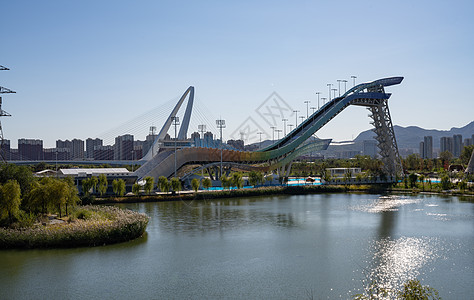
[85, 68]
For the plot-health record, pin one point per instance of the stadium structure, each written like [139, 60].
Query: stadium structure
[169, 156]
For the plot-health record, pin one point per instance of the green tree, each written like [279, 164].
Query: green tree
[163, 184]
[102, 187]
[94, 182]
[253, 178]
[175, 184]
[413, 290]
[87, 185]
[195, 184]
[136, 189]
[149, 183]
[21, 174]
[412, 162]
[115, 186]
[445, 157]
[445, 182]
[421, 178]
[71, 198]
[121, 187]
[466, 154]
[207, 183]
[463, 185]
[412, 178]
[58, 192]
[224, 181]
[10, 200]
[237, 180]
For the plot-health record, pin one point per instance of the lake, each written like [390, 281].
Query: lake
[323, 246]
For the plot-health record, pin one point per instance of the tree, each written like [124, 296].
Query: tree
[207, 183]
[466, 154]
[412, 178]
[21, 174]
[118, 186]
[71, 198]
[163, 184]
[224, 181]
[94, 182]
[255, 178]
[463, 185]
[136, 189]
[175, 184]
[421, 178]
[102, 188]
[149, 183]
[446, 157]
[121, 187]
[237, 180]
[413, 290]
[195, 184]
[412, 162]
[115, 186]
[87, 185]
[10, 199]
[445, 182]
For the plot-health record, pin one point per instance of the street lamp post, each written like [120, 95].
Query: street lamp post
[175, 121]
[302, 118]
[273, 134]
[278, 131]
[313, 109]
[345, 87]
[334, 90]
[220, 124]
[284, 125]
[329, 88]
[202, 128]
[324, 100]
[353, 80]
[339, 86]
[260, 134]
[318, 93]
[307, 108]
[296, 112]
[291, 126]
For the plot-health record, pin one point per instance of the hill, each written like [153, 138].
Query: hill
[411, 136]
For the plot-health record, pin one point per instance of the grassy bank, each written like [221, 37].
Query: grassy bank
[89, 226]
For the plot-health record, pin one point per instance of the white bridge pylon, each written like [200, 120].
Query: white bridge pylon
[183, 130]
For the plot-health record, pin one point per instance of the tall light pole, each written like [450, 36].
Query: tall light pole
[296, 112]
[353, 80]
[318, 93]
[302, 118]
[202, 128]
[221, 124]
[339, 86]
[278, 131]
[334, 90]
[284, 125]
[175, 121]
[307, 108]
[324, 100]
[273, 134]
[345, 87]
[260, 134]
[329, 88]
[290, 125]
[312, 108]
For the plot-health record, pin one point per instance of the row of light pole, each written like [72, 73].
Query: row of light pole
[331, 95]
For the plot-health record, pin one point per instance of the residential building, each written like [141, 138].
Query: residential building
[457, 145]
[90, 144]
[370, 148]
[30, 149]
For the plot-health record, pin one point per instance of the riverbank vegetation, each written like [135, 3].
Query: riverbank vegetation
[45, 212]
[86, 226]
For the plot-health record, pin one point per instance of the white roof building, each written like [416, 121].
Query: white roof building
[94, 172]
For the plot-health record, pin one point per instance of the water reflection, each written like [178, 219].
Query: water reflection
[399, 260]
[219, 215]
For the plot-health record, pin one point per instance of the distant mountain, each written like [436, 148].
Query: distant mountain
[411, 136]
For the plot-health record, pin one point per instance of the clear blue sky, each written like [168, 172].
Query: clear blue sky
[81, 68]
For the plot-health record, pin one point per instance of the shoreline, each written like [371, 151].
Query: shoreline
[266, 191]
